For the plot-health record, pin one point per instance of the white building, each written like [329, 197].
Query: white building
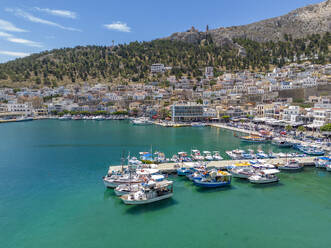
[209, 72]
[321, 117]
[157, 68]
[24, 108]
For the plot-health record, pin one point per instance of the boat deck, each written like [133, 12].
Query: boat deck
[169, 168]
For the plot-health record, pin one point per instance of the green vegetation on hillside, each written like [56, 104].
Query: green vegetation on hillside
[131, 62]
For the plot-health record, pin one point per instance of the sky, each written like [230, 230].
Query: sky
[31, 26]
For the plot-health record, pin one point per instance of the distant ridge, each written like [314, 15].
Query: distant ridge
[312, 19]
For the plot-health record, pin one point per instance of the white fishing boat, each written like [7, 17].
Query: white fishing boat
[264, 176]
[328, 167]
[198, 124]
[207, 155]
[235, 154]
[114, 181]
[291, 165]
[243, 172]
[196, 155]
[141, 121]
[124, 189]
[152, 192]
[217, 156]
[65, 117]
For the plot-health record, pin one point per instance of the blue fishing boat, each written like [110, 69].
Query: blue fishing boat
[183, 171]
[214, 179]
[313, 151]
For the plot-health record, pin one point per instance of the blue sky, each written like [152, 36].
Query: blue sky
[29, 26]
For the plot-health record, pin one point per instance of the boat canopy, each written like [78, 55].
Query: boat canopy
[270, 171]
[157, 177]
[325, 158]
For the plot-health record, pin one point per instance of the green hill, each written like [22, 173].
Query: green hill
[131, 62]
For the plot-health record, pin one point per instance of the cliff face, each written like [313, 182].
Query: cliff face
[301, 22]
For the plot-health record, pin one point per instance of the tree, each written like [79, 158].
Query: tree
[288, 128]
[301, 129]
[226, 118]
[326, 128]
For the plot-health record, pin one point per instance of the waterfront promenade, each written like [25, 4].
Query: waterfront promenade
[325, 148]
[169, 168]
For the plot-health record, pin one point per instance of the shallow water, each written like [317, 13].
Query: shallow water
[52, 195]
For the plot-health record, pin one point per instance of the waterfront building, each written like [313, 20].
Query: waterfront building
[186, 112]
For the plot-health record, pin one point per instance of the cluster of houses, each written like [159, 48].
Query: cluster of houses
[209, 98]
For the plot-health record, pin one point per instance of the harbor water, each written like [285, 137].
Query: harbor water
[52, 194]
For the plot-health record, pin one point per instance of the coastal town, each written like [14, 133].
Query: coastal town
[295, 95]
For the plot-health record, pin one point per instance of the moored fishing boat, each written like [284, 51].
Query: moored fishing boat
[214, 179]
[291, 165]
[196, 155]
[253, 139]
[141, 121]
[328, 167]
[217, 156]
[183, 171]
[152, 192]
[207, 155]
[114, 181]
[264, 176]
[242, 172]
[322, 162]
[281, 143]
[124, 189]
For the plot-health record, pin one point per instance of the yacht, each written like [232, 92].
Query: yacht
[264, 176]
[291, 165]
[152, 192]
[217, 156]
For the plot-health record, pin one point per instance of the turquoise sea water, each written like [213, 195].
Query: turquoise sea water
[52, 195]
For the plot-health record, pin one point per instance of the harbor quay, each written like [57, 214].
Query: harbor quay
[250, 132]
[171, 168]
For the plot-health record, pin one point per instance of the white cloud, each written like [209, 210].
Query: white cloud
[58, 12]
[14, 54]
[24, 42]
[8, 26]
[118, 26]
[32, 18]
[4, 34]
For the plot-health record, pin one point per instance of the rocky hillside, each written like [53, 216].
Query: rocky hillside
[312, 19]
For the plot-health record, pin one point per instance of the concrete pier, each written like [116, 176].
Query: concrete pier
[169, 168]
